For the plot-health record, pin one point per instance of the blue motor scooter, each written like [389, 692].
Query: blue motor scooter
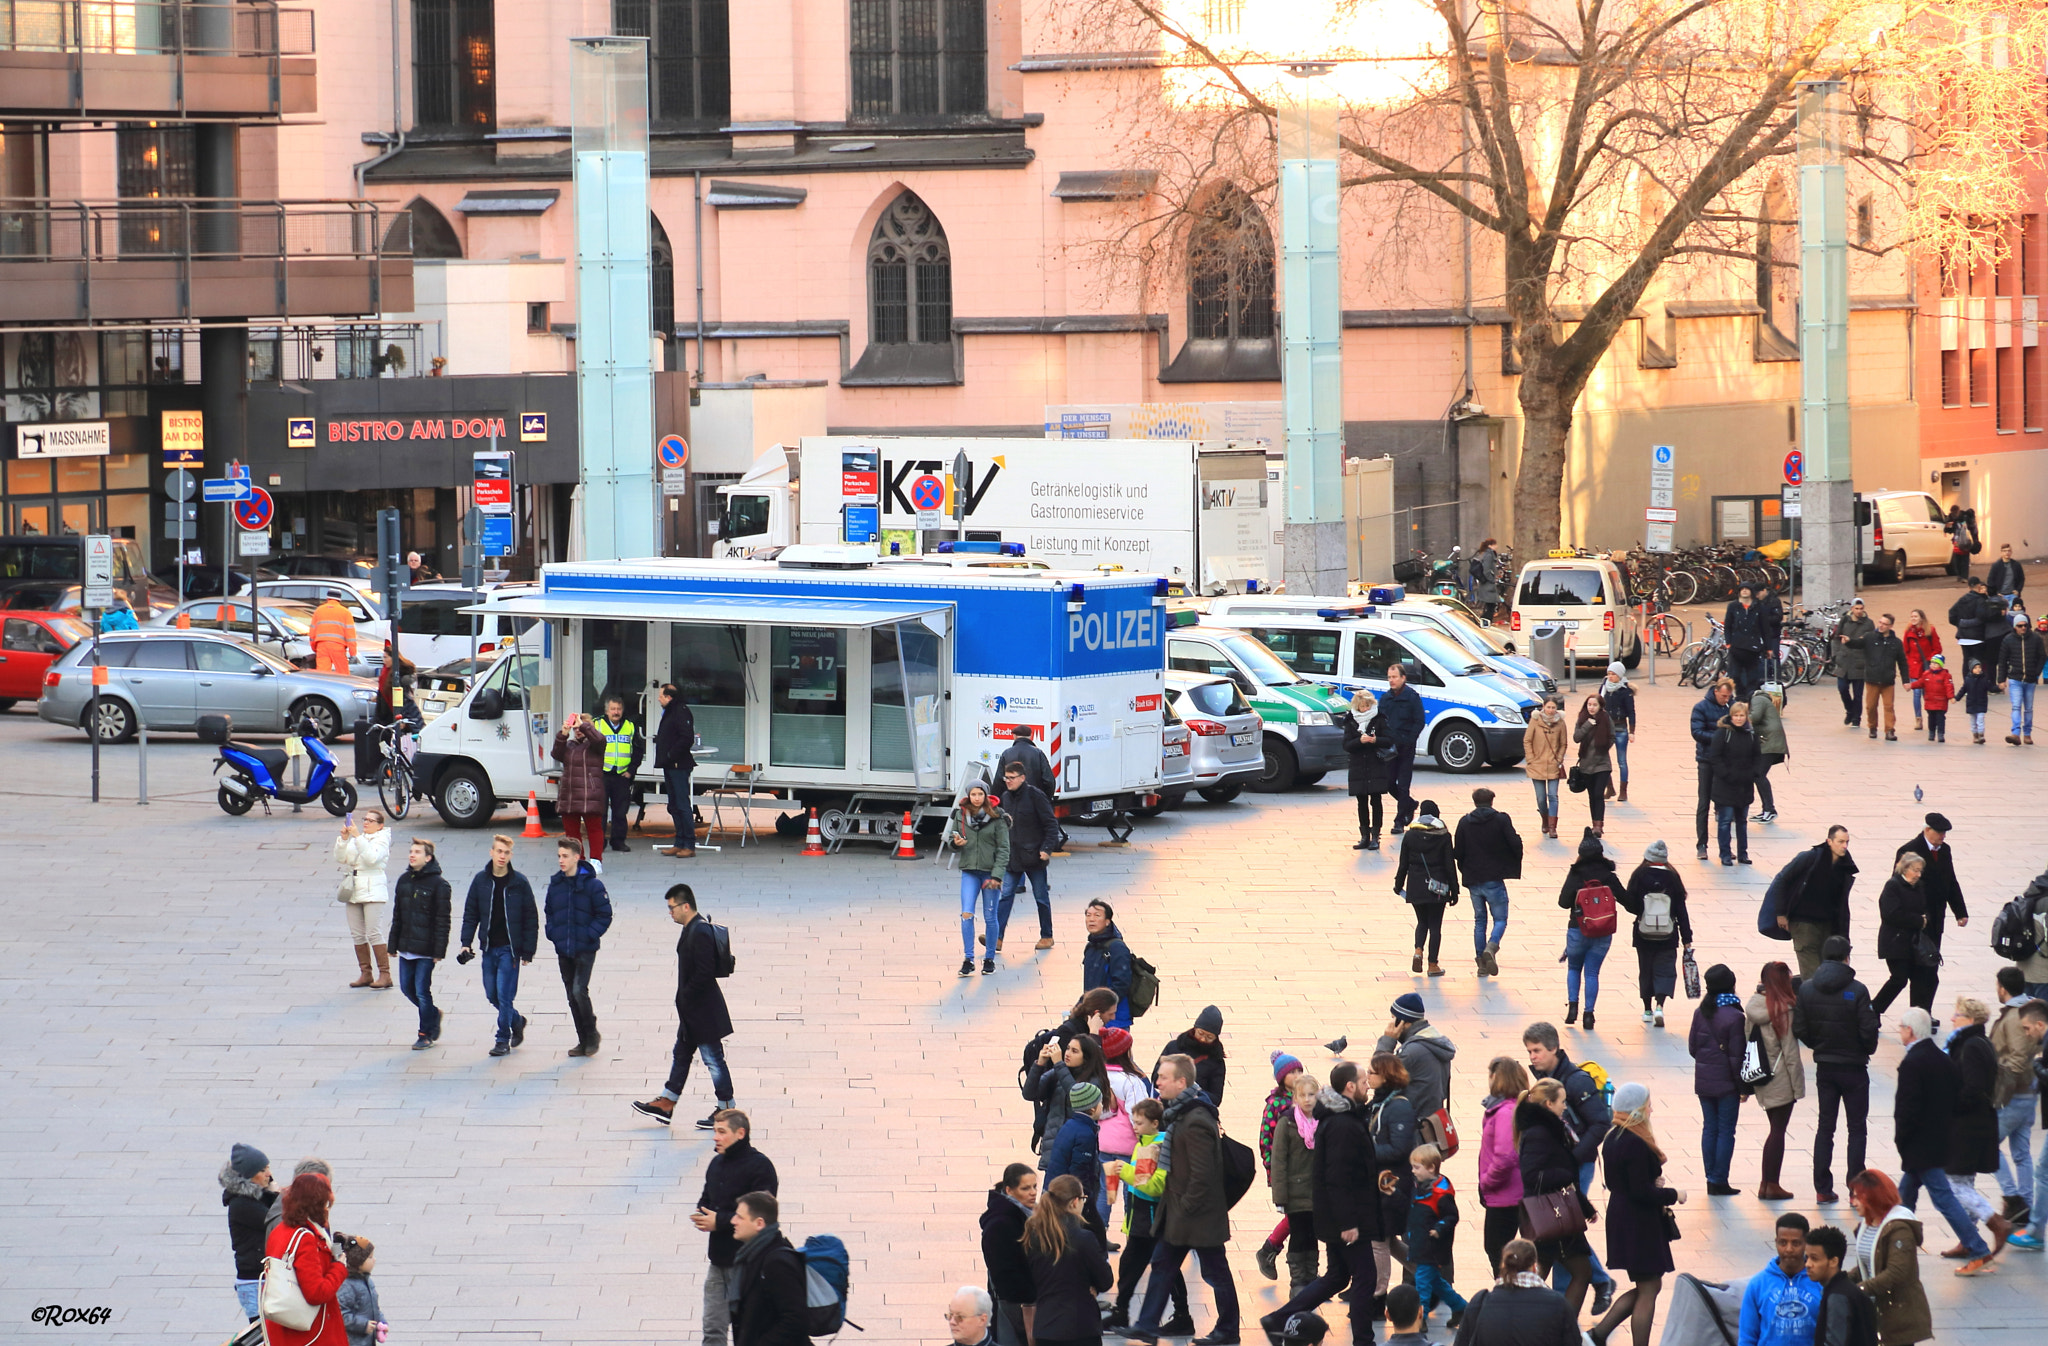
[257, 774]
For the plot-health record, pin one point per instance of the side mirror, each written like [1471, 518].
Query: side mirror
[261, 670]
[489, 704]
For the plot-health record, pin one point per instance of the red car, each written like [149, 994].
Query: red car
[29, 643]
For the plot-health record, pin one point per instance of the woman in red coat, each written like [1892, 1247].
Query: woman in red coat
[321, 1274]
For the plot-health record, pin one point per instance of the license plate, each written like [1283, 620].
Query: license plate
[1241, 740]
[1175, 750]
[1098, 805]
[1567, 625]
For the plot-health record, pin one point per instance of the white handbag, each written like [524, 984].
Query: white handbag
[281, 1301]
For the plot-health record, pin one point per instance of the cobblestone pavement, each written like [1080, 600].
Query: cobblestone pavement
[174, 982]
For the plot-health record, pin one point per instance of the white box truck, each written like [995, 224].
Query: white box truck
[1202, 519]
[830, 676]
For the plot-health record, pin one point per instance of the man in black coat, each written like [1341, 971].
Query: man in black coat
[1938, 884]
[1811, 897]
[1489, 853]
[1771, 612]
[2022, 653]
[1833, 1016]
[1347, 1204]
[1033, 833]
[703, 1024]
[2008, 578]
[766, 1291]
[675, 743]
[500, 908]
[1706, 718]
[1521, 1310]
[1846, 1317]
[1884, 668]
[1742, 625]
[1037, 769]
[1977, 618]
[1923, 1115]
[737, 1169]
[422, 910]
[1402, 718]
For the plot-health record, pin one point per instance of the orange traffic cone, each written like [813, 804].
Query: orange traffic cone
[532, 818]
[814, 841]
[906, 846]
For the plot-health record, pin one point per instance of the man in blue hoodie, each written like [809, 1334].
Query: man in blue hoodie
[1781, 1305]
[578, 911]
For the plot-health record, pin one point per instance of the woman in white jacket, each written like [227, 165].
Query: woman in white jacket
[362, 853]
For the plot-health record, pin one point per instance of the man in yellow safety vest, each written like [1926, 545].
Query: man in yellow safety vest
[334, 637]
[622, 751]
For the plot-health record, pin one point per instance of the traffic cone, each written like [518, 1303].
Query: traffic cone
[814, 841]
[532, 817]
[906, 846]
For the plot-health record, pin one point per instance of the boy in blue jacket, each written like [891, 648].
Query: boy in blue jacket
[1432, 1223]
[1076, 1150]
[1781, 1305]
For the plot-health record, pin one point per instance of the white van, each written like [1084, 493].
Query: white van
[1897, 531]
[1587, 596]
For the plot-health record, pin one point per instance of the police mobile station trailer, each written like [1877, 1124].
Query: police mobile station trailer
[848, 684]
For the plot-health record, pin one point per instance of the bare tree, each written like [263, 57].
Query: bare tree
[1595, 143]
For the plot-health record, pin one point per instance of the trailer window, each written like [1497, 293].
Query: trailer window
[807, 696]
[903, 697]
[708, 665]
[614, 664]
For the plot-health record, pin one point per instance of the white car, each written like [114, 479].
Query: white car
[1588, 598]
[433, 628]
[1899, 531]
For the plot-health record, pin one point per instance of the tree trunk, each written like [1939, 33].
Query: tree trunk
[1546, 402]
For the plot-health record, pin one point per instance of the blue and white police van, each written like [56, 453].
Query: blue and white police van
[1446, 615]
[824, 677]
[1475, 715]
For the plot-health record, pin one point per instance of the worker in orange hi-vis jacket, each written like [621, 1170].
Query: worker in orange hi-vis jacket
[334, 637]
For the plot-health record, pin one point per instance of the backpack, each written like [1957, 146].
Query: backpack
[1596, 910]
[1144, 986]
[1603, 1084]
[722, 961]
[2016, 930]
[825, 1286]
[1240, 1166]
[1656, 922]
[1439, 1130]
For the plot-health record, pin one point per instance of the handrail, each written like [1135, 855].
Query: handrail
[250, 28]
[39, 229]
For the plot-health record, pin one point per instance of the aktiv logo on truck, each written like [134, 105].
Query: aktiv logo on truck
[896, 500]
[1135, 628]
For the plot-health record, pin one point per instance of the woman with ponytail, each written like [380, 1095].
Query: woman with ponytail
[1068, 1267]
[1639, 1227]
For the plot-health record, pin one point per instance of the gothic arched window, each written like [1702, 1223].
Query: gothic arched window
[910, 277]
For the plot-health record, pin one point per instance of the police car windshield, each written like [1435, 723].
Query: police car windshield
[1259, 661]
[1444, 652]
[1474, 637]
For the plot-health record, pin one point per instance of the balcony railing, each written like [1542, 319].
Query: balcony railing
[126, 261]
[203, 58]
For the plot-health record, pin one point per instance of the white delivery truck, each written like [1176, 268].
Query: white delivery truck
[1202, 519]
[826, 676]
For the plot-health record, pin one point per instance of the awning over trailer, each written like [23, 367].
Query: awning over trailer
[719, 609]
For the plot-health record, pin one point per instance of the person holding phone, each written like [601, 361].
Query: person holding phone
[735, 1170]
[580, 796]
[363, 852]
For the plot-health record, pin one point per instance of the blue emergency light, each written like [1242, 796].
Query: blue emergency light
[1077, 596]
[980, 548]
[1386, 593]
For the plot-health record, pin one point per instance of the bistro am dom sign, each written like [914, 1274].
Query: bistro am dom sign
[454, 427]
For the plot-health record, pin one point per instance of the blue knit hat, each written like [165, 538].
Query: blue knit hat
[1408, 1008]
[1283, 1066]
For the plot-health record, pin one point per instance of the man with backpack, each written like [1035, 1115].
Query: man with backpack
[767, 1291]
[1588, 1115]
[1833, 1016]
[703, 1023]
[1106, 960]
[1194, 1209]
[736, 1169]
[2021, 934]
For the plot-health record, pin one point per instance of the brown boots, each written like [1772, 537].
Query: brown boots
[1550, 825]
[383, 982]
[363, 963]
[1624, 793]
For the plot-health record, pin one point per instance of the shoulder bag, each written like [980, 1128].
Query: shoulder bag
[281, 1301]
[1756, 1061]
[1549, 1216]
[1926, 953]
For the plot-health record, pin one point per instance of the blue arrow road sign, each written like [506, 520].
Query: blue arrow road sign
[219, 489]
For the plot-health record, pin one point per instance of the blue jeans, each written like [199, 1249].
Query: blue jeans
[972, 894]
[713, 1056]
[1434, 1285]
[246, 1292]
[1717, 1135]
[1944, 1198]
[675, 782]
[2016, 1133]
[1731, 817]
[1620, 755]
[1584, 956]
[1167, 1259]
[1491, 896]
[1011, 883]
[501, 985]
[416, 980]
[2021, 694]
[1546, 797]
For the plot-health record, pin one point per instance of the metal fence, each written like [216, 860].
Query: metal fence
[156, 27]
[201, 229]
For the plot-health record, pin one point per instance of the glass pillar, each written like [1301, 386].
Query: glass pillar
[1312, 356]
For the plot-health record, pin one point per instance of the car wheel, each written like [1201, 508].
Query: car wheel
[1222, 794]
[339, 798]
[1310, 777]
[1634, 655]
[1459, 748]
[6, 703]
[832, 823]
[116, 720]
[1277, 771]
[326, 719]
[232, 804]
[463, 797]
[1896, 570]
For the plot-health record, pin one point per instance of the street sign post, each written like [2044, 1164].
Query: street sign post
[1663, 487]
[1795, 468]
[928, 497]
[1790, 501]
[675, 481]
[1657, 528]
[184, 438]
[255, 511]
[99, 571]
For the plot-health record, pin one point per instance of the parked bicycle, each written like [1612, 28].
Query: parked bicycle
[396, 784]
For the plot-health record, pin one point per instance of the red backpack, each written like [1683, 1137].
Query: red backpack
[1596, 911]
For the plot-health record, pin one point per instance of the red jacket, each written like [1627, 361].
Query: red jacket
[1920, 647]
[1937, 688]
[320, 1279]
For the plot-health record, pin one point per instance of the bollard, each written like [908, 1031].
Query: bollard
[141, 758]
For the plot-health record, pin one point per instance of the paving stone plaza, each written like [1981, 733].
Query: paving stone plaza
[175, 983]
